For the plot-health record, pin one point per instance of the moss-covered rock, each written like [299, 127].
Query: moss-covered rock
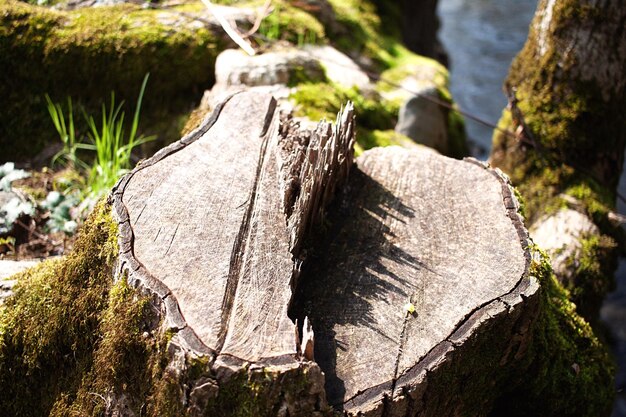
[88, 53]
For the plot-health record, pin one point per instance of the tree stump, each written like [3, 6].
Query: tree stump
[405, 278]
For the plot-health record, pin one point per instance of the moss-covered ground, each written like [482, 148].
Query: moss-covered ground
[72, 340]
[86, 54]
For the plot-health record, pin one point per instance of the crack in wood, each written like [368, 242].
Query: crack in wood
[239, 249]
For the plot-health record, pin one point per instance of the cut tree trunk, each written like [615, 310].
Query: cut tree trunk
[412, 268]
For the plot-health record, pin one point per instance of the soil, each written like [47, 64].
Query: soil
[32, 239]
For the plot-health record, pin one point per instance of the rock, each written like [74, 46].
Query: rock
[8, 269]
[421, 86]
[339, 67]
[583, 257]
[235, 68]
[275, 73]
[560, 235]
[424, 121]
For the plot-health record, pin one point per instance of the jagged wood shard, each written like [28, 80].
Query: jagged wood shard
[221, 225]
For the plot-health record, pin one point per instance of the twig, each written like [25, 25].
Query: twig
[264, 12]
[230, 31]
[37, 234]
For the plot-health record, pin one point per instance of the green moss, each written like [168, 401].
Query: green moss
[86, 54]
[593, 274]
[522, 202]
[260, 392]
[568, 117]
[405, 63]
[425, 72]
[292, 24]
[49, 327]
[323, 100]
[375, 116]
[569, 373]
[71, 340]
[367, 139]
[576, 133]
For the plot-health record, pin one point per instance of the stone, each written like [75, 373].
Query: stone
[8, 269]
[339, 67]
[560, 234]
[424, 121]
[235, 68]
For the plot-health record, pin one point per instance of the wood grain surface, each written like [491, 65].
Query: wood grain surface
[251, 226]
[413, 230]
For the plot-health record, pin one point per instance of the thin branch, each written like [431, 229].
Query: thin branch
[230, 31]
[263, 13]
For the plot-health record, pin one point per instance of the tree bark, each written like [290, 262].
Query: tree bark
[567, 90]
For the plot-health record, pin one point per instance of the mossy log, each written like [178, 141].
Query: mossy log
[424, 265]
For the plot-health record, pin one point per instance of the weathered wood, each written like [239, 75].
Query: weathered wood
[425, 258]
[414, 230]
[210, 224]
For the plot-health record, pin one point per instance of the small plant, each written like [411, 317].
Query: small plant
[13, 207]
[107, 140]
[113, 151]
[61, 217]
[8, 174]
[67, 134]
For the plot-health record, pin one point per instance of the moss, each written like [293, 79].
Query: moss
[49, 327]
[292, 24]
[74, 343]
[522, 203]
[405, 63]
[323, 100]
[86, 54]
[568, 117]
[569, 372]
[425, 72]
[593, 274]
[574, 140]
[260, 392]
[127, 361]
[367, 139]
